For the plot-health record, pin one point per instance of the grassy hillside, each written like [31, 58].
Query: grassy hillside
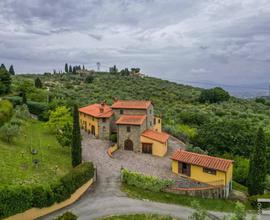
[16, 164]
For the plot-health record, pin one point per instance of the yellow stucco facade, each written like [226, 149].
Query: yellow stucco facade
[158, 148]
[89, 123]
[197, 173]
[157, 124]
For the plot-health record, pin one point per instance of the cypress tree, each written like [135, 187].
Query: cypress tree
[76, 147]
[74, 70]
[257, 166]
[24, 99]
[5, 81]
[38, 83]
[70, 69]
[66, 68]
[3, 66]
[11, 70]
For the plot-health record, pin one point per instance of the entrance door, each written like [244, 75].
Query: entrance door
[128, 145]
[93, 130]
[147, 148]
[186, 169]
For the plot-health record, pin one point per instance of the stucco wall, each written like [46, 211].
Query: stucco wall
[196, 173]
[34, 213]
[158, 125]
[89, 122]
[158, 148]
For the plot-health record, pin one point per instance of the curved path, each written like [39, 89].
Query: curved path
[105, 197]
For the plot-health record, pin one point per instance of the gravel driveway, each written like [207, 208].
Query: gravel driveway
[106, 198]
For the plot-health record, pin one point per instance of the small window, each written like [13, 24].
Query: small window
[150, 111]
[159, 121]
[121, 111]
[128, 128]
[150, 123]
[154, 121]
[103, 119]
[104, 128]
[209, 171]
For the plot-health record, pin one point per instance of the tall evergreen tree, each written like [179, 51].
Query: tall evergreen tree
[38, 83]
[24, 99]
[83, 67]
[5, 81]
[66, 68]
[257, 166]
[3, 66]
[70, 69]
[76, 147]
[74, 70]
[11, 70]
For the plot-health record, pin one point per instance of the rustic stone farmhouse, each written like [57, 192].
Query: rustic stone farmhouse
[203, 168]
[134, 122]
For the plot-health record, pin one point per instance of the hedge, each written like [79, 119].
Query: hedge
[139, 180]
[16, 199]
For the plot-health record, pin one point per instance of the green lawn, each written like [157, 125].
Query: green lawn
[208, 204]
[16, 164]
[139, 217]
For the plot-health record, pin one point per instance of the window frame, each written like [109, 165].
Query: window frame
[209, 171]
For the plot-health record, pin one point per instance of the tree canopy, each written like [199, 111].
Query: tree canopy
[214, 95]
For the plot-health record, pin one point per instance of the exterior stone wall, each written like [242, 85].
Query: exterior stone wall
[104, 128]
[134, 135]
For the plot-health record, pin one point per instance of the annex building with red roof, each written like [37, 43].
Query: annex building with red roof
[211, 170]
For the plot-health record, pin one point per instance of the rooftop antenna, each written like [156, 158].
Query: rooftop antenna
[98, 66]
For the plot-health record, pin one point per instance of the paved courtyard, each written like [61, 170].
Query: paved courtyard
[105, 197]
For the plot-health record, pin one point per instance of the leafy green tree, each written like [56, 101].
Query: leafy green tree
[24, 99]
[257, 166]
[5, 81]
[66, 68]
[89, 79]
[59, 118]
[11, 70]
[8, 132]
[6, 110]
[64, 135]
[38, 83]
[239, 212]
[200, 213]
[214, 95]
[76, 148]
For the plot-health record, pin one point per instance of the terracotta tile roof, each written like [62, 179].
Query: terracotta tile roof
[202, 160]
[131, 104]
[97, 110]
[131, 119]
[155, 135]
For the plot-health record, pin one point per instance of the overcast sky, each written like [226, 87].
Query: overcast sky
[221, 41]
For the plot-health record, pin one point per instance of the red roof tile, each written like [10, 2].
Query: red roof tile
[155, 135]
[202, 160]
[131, 119]
[97, 110]
[131, 104]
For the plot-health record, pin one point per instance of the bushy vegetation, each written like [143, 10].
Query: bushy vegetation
[15, 199]
[139, 180]
[67, 216]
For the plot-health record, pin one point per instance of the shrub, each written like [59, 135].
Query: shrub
[42, 196]
[14, 199]
[113, 138]
[6, 109]
[253, 199]
[40, 109]
[139, 180]
[67, 216]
